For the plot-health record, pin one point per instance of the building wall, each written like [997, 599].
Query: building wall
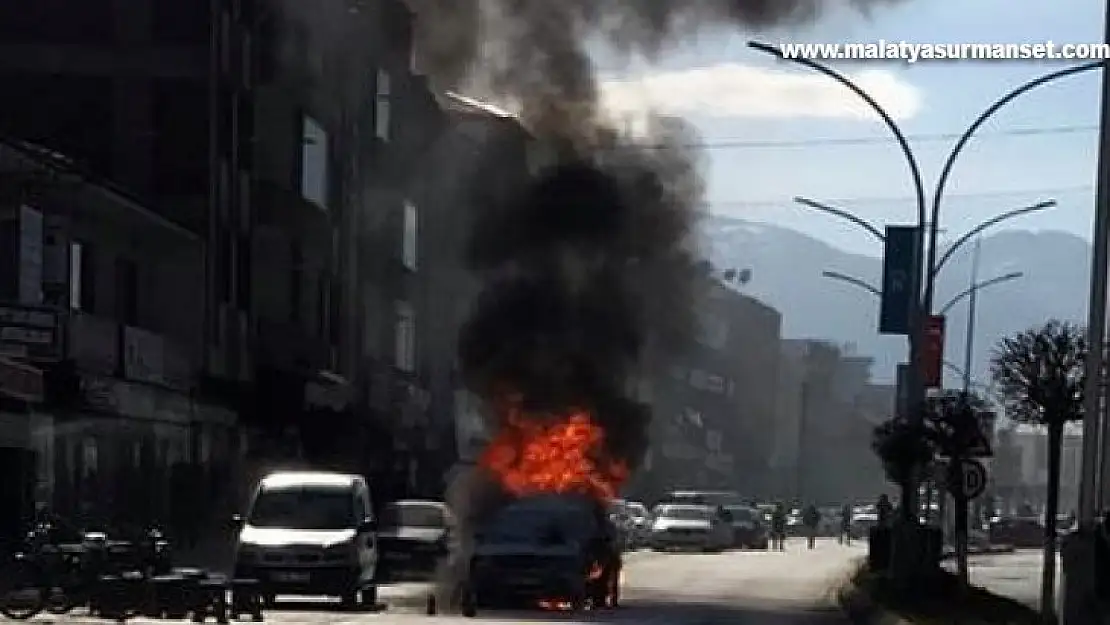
[827, 413]
[119, 416]
[750, 358]
[207, 132]
[480, 157]
[789, 407]
[1021, 467]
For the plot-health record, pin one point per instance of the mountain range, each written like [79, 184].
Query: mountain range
[786, 272]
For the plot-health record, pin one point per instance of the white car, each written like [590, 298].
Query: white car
[862, 522]
[684, 526]
[310, 533]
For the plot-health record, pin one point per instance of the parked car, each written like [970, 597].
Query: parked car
[634, 521]
[685, 526]
[749, 530]
[641, 523]
[413, 538]
[544, 548]
[1019, 531]
[862, 522]
[703, 498]
[310, 533]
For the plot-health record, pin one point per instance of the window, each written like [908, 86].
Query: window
[323, 305]
[412, 515]
[381, 105]
[296, 280]
[304, 508]
[181, 22]
[243, 271]
[224, 267]
[409, 237]
[127, 292]
[405, 337]
[82, 285]
[314, 162]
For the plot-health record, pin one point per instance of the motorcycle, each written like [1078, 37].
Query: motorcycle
[55, 576]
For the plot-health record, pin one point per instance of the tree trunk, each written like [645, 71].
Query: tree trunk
[1052, 502]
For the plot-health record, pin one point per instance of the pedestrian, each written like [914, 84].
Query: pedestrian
[811, 518]
[778, 527]
[846, 524]
[885, 511]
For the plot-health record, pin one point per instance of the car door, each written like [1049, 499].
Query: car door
[366, 539]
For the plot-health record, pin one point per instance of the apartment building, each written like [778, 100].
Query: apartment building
[262, 139]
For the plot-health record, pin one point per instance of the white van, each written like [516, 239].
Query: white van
[310, 533]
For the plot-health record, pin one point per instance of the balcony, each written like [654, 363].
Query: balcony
[102, 346]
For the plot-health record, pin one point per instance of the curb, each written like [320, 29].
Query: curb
[992, 550]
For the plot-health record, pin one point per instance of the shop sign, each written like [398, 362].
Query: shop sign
[30, 333]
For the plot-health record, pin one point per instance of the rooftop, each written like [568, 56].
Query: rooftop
[288, 479]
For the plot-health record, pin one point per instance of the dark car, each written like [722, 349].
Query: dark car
[547, 548]
[413, 537]
[1018, 531]
[749, 531]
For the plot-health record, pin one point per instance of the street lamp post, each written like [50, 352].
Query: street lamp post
[924, 266]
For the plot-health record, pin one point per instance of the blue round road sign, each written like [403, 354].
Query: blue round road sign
[973, 478]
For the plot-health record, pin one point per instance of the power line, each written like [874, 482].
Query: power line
[848, 202]
[745, 144]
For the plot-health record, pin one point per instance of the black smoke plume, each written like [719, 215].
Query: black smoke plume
[594, 264]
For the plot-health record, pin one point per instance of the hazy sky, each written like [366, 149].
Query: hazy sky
[774, 131]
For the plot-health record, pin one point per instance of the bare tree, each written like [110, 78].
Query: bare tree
[1040, 374]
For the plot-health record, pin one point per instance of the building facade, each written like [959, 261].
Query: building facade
[713, 419]
[481, 157]
[100, 315]
[260, 141]
[1019, 469]
[826, 418]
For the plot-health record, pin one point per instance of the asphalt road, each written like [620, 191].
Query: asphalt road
[733, 588]
[1015, 575]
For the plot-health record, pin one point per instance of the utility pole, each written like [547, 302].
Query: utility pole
[1078, 580]
[969, 340]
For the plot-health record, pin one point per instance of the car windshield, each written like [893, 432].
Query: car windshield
[684, 513]
[536, 527]
[304, 508]
[413, 515]
[750, 515]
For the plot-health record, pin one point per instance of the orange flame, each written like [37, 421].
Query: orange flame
[533, 456]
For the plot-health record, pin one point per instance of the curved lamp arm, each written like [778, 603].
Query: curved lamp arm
[1017, 212]
[854, 281]
[977, 286]
[903, 143]
[843, 214]
[958, 147]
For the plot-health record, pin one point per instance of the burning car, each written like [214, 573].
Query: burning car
[553, 551]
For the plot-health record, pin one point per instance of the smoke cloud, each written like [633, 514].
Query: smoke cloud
[534, 52]
[594, 263]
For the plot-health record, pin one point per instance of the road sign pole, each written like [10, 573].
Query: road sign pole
[967, 480]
